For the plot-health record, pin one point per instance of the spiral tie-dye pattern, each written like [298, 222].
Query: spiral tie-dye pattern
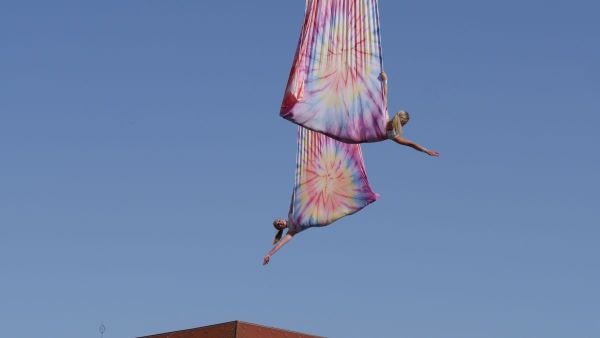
[334, 85]
[331, 181]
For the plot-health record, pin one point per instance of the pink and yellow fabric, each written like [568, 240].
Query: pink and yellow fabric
[331, 181]
[334, 86]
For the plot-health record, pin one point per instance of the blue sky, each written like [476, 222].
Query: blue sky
[142, 160]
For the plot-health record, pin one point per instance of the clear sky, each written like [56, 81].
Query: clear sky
[142, 160]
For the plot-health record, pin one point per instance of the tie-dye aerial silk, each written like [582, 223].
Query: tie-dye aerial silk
[334, 85]
[331, 181]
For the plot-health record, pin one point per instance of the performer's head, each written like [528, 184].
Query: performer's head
[279, 225]
[400, 119]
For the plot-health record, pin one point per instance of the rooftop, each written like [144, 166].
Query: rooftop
[234, 329]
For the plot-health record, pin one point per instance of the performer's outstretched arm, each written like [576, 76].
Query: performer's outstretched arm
[277, 246]
[405, 142]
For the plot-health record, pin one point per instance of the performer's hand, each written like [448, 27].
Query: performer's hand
[383, 76]
[432, 153]
[266, 260]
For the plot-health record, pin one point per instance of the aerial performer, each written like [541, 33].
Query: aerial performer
[337, 95]
[331, 182]
[393, 127]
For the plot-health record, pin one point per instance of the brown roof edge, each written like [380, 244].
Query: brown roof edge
[277, 329]
[234, 322]
[238, 329]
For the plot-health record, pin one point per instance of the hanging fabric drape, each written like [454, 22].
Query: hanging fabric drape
[334, 85]
[331, 181]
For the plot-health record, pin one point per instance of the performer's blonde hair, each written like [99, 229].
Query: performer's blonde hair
[399, 120]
